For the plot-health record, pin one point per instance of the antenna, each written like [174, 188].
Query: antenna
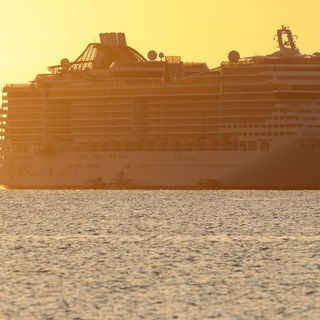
[286, 41]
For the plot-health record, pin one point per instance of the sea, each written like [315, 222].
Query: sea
[98, 254]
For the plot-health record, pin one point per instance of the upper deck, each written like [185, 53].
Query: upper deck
[113, 95]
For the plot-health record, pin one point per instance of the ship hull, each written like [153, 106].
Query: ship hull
[292, 164]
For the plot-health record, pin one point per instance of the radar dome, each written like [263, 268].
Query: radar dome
[161, 55]
[152, 55]
[65, 63]
[234, 56]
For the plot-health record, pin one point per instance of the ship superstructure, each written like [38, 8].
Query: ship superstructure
[113, 118]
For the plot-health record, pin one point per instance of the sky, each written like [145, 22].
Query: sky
[37, 33]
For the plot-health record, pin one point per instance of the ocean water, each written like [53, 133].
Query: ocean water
[159, 254]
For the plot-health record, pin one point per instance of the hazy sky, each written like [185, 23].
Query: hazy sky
[38, 33]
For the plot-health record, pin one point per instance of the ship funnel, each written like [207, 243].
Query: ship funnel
[113, 39]
[121, 37]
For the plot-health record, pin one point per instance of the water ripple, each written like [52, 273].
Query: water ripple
[159, 255]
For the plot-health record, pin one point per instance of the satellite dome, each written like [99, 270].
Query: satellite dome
[161, 55]
[152, 55]
[234, 56]
[65, 63]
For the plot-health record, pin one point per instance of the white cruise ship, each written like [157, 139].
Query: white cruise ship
[114, 119]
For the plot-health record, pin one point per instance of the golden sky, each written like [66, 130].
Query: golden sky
[38, 33]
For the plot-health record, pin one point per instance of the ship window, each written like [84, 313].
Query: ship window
[252, 145]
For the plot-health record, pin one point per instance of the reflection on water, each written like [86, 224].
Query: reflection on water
[159, 255]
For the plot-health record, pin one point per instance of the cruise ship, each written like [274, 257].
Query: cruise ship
[113, 118]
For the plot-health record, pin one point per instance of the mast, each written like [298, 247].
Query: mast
[286, 42]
